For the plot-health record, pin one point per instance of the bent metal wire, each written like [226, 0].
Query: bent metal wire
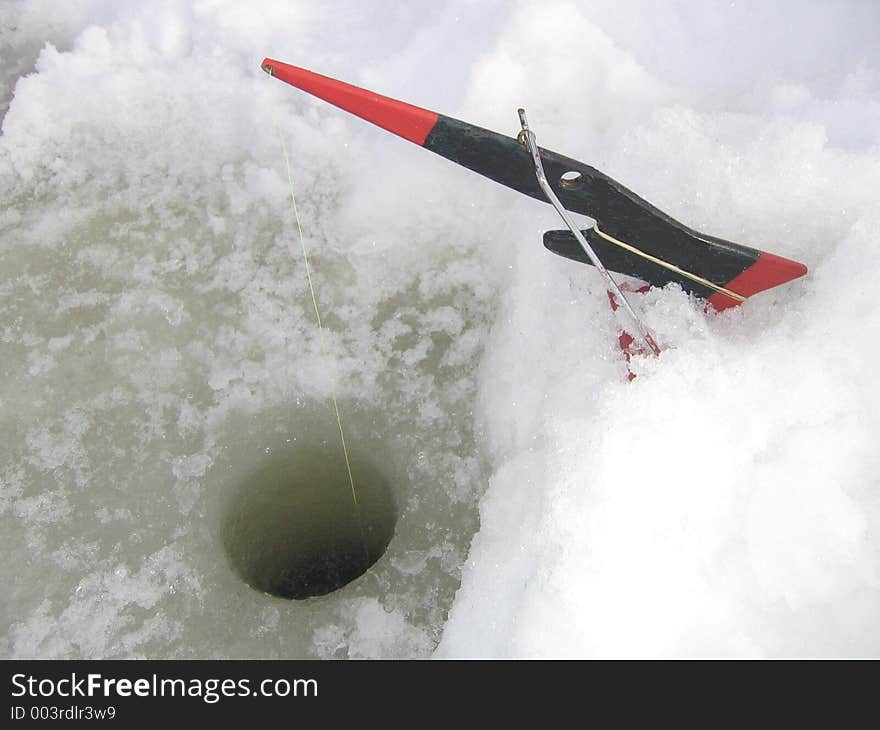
[527, 137]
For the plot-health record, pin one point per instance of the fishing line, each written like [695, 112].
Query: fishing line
[305, 256]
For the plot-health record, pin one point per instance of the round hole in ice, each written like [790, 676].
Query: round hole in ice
[571, 179]
[293, 529]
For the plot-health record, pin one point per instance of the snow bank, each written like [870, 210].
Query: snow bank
[725, 502]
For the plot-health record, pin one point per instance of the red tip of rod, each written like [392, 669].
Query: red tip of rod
[405, 120]
[768, 271]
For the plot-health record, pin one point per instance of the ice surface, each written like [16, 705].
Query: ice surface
[157, 334]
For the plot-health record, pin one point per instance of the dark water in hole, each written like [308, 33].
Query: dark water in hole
[293, 529]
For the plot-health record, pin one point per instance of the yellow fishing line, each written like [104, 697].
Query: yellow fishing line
[305, 256]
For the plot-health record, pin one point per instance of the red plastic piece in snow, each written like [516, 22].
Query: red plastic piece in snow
[768, 271]
[627, 342]
[405, 120]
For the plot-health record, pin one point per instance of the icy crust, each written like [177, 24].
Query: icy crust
[173, 348]
[156, 318]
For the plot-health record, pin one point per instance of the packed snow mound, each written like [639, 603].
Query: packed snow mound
[726, 501]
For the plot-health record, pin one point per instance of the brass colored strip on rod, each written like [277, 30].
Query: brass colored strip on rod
[671, 267]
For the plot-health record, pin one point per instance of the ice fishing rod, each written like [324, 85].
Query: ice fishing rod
[630, 236]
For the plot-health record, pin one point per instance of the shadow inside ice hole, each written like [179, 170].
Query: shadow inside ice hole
[295, 523]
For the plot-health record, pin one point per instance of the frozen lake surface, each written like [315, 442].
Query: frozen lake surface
[163, 373]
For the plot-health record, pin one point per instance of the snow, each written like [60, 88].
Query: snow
[157, 334]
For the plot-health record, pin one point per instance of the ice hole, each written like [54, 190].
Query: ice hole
[294, 529]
